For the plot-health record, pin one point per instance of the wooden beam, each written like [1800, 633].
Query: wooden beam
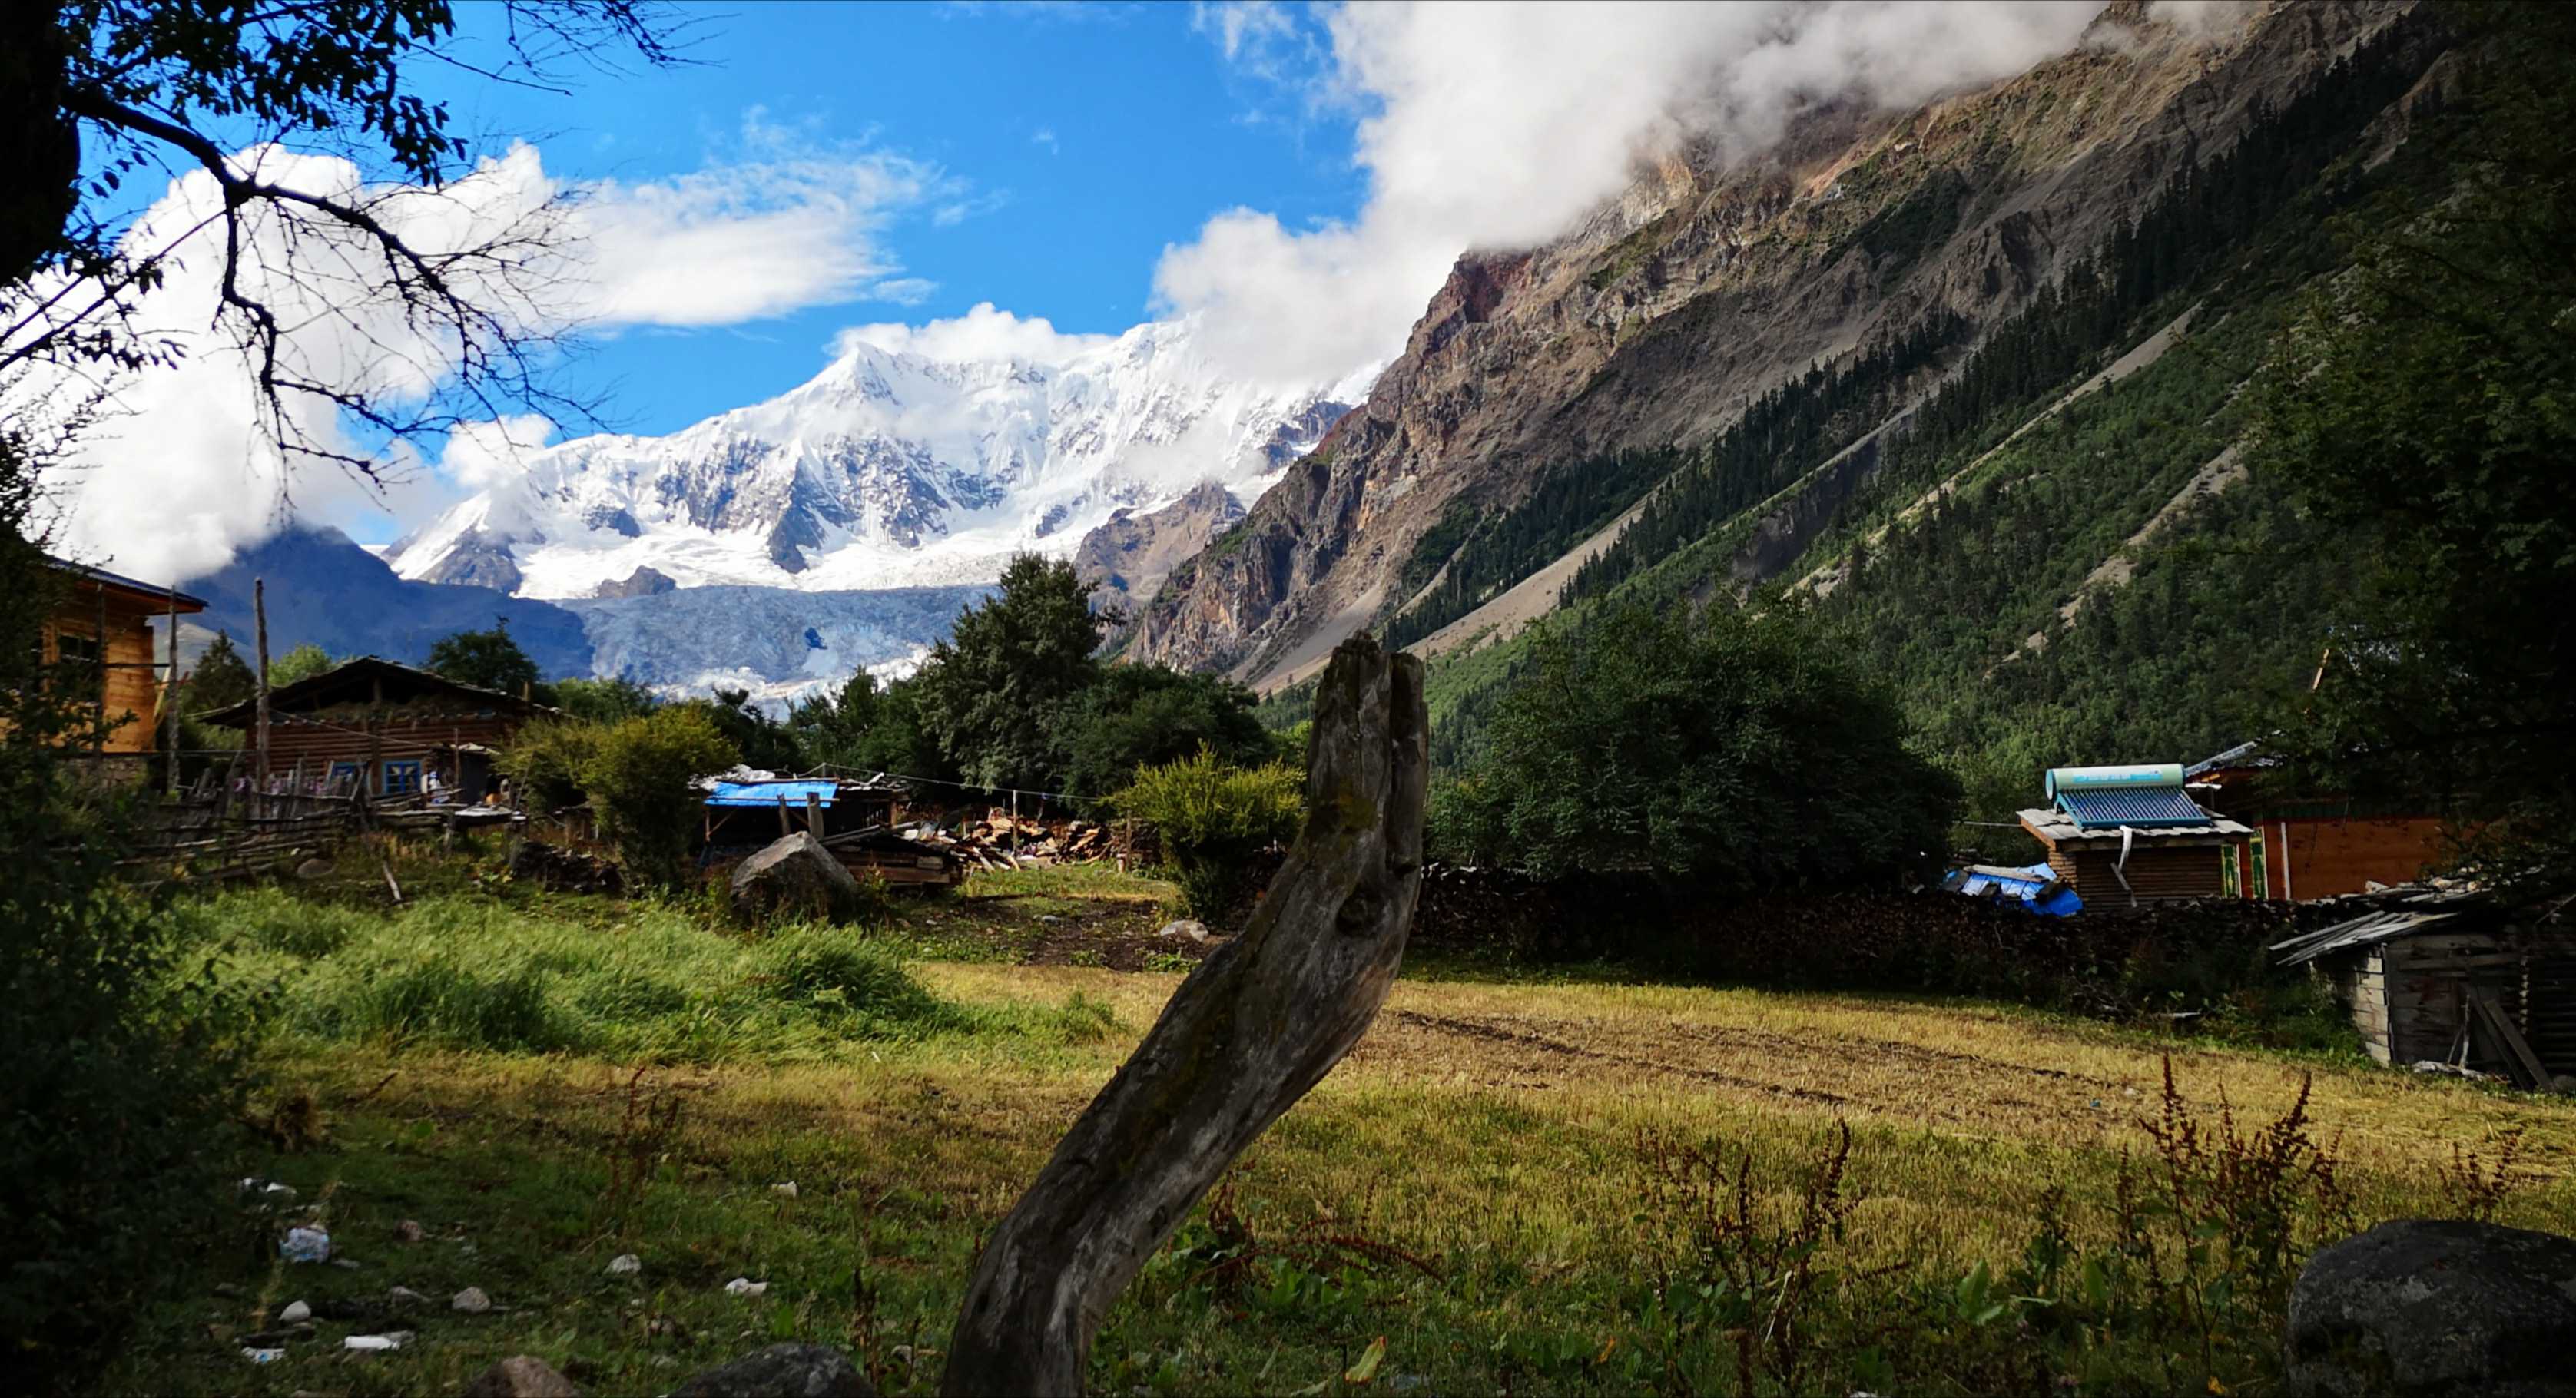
[1252, 1029]
[2528, 1069]
[259, 619]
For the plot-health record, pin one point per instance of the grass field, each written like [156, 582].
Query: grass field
[1511, 1182]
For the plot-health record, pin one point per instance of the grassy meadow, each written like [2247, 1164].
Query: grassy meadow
[1514, 1184]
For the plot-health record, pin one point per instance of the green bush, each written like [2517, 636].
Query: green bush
[1212, 817]
[546, 761]
[640, 780]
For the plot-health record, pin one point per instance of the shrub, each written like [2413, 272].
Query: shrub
[640, 783]
[1212, 817]
[126, 1064]
[546, 760]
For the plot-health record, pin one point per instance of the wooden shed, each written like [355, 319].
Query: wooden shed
[385, 727]
[2448, 978]
[2122, 836]
[104, 625]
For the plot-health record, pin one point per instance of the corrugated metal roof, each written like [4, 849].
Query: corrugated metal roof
[2369, 929]
[2136, 806]
[771, 793]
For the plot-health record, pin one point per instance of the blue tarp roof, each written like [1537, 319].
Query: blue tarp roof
[2141, 806]
[771, 793]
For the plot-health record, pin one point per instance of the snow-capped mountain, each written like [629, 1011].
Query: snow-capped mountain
[890, 468]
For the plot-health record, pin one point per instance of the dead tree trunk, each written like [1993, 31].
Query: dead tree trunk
[1248, 1033]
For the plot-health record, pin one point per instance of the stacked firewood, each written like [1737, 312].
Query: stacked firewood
[1001, 840]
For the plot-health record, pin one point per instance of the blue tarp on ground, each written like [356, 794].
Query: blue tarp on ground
[771, 793]
[2031, 891]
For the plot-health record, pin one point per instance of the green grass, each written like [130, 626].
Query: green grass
[1515, 1136]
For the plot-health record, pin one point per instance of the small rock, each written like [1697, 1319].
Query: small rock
[2435, 1306]
[625, 1265]
[344, 1264]
[313, 869]
[296, 1313]
[521, 1376]
[782, 1371]
[1188, 928]
[1049, 918]
[291, 1334]
[409, 1231]
[745, 1286]
[405, 1296]
[787, 1188]
[471, 1300]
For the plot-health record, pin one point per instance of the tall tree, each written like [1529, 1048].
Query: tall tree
[2425, 406]
[484, 659]
[220, 679]
[989, 692]
[303, 662]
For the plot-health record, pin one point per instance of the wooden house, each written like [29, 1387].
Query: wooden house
[2122, 836]
[385, 727]
[2311, 847]
[101, 635]
[2445, 977]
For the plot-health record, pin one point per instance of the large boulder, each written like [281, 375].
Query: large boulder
[2427, 1306]
[795, 875]
[782, 1371]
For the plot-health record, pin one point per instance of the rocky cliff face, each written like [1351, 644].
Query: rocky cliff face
[1131, 554]
[1703, 286]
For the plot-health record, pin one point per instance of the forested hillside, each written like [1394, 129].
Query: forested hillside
[2045, 577]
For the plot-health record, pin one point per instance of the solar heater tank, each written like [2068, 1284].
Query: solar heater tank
[2153, 776]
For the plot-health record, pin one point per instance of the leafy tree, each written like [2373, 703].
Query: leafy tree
[640, 784]
[303, 662]
[1147, 715]
[2422, 408]
[484, 659]
[221, 678]
[1738, 750]
[1211, 818]
[604, 701]
[988, 692]
[763, 741]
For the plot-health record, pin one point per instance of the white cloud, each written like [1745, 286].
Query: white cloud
[180, 474]
[981, 334]
[1498, 126]
[1045, 136]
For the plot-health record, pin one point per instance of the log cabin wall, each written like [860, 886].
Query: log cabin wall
[2410, 996]
[351, 736]
[2155, 872]
[128, 684]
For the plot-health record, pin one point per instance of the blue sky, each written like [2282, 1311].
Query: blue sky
[1074, 143]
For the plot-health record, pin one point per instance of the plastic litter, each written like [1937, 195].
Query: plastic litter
[787, 1188]
[393, 1340]
[745, 1286]
[305, 1245]
[263, 1356]
[625, 1265]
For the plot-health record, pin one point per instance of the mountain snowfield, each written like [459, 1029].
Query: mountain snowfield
[892, 468]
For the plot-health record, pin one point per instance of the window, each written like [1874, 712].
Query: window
[344, 775]
[402, 778]
[77, 664]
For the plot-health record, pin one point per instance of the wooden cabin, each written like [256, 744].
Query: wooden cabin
[853, 819]
[102, 636]
[2314, 847]
[2444, 977]
[385, 728]
[2123, 836]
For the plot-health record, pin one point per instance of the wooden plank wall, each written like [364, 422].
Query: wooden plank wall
[2328, 858]
[343, 735]
[132, 685]
[2410, 996]
[2155, 873]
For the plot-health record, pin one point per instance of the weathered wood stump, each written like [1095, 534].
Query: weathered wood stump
[1253, 1028]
